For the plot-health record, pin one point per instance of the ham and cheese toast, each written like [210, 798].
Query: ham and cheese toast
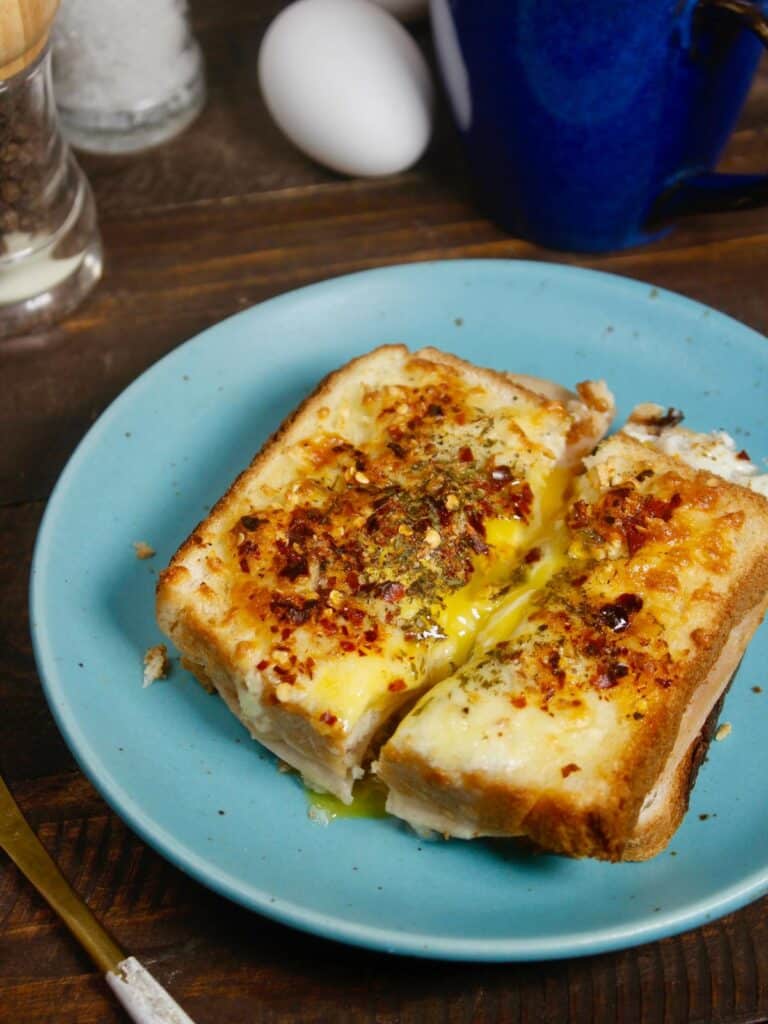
[351, 565]
[584, 726]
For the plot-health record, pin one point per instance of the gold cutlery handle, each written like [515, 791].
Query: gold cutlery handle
[28, 853]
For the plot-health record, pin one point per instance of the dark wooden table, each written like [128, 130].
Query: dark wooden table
[221, 218]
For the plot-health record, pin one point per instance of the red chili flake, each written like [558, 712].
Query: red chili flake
[665, 683]
[355, 615]
[617, 495]
[397, 685]
[660, 509]
[243, 563]
[294, 611]
[610, 677]
[635, 538]
[614, 617]
[251, 522]
[391, 592]
[521, 502]
[353, 582]
[519, 702]
[465, 454]
[617, 615]
[501, 475]
[262, 665]
[743, 454]
[371, 635]
[475, 520]
[578, 516]
[632, 602]
[569, 769]
[477, 544]
[442, 511]
[295, 567]
[347, 645]
[299, 533]
[328, 718]
[534, 555]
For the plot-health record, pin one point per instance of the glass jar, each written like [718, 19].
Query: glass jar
[50, 252]
[125, 79]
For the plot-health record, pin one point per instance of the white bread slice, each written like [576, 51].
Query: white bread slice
[349, 566]
[581, 728]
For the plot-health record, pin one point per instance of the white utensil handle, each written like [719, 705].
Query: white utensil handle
[143, 998]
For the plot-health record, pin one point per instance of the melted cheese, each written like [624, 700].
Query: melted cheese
[482, 612]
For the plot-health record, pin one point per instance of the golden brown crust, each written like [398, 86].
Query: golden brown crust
[668, 803]
[653, 839]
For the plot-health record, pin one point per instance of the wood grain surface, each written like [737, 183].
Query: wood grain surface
[225, 216]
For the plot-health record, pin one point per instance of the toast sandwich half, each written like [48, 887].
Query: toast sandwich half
[351, 565]
[584, 726]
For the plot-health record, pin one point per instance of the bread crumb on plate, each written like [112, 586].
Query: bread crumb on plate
[156, 664]
[319, 815]
[723, 730]
[143, 550]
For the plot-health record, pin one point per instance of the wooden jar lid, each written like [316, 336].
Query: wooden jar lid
[24, 29]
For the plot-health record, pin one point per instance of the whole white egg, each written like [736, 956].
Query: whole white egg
[406, 10]
[348, 86]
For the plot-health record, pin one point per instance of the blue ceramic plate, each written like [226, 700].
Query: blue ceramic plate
[178, 767]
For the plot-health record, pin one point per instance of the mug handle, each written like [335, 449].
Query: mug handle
[711, 192]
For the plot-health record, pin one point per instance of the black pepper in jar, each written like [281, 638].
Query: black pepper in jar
[21, 165]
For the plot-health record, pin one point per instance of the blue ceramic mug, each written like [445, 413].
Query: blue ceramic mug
[587, 124]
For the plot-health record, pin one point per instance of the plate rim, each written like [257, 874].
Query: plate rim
[294, 914]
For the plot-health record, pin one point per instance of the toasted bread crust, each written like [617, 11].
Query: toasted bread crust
[660, 817]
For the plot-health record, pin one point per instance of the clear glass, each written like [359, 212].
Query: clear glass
[50, 251]
[125, 78]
